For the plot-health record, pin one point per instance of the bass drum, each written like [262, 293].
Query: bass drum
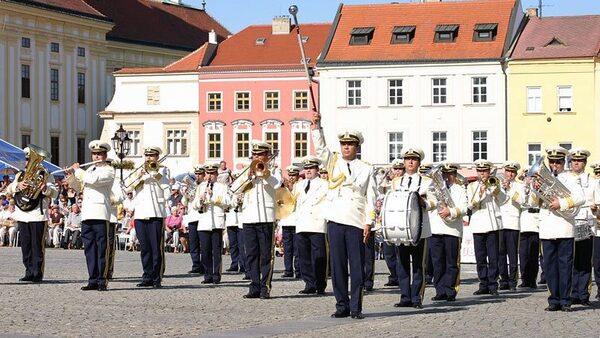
[401, 218]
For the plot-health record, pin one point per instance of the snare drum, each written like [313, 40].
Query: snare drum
[401, 218]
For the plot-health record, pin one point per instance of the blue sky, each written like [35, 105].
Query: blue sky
[237, 14]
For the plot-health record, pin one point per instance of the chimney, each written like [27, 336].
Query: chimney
[212, 37]
[532, 12]
[281, 25]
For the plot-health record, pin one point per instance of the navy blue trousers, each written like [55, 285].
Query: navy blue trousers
[94, 234]
[312, 254]
[290, 251]
[529, 252]
[558, 267]
[486, 257]
[234, 250]
[195, 254]
[211, 247]
[428, 264]
[412, 291]
[150, 233]
[582, 269]
[243, 261]
[369, 278]
[391, 260]
[509, 247]
[259, 242]
[597, 263]
[112, 246]
[445, 256]
[346, 249]
[32, 236]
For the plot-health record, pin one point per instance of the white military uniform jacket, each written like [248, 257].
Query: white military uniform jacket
[510, 205]
[351, 196]
[308, 213]
[485, 211]
[591, 190]
[552, 224]
[97, 181]
[151, 198]
[116, 197]
[192, 214]
[453, 225]
[530, 215]
[259, 201]
[213, 205]
[419, 184]
[35, 215]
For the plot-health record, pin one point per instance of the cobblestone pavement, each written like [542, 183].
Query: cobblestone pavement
[184, 307]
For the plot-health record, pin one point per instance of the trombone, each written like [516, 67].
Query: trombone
[148, 166]
[240, 184]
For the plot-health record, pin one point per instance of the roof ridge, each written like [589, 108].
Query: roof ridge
[190, 55]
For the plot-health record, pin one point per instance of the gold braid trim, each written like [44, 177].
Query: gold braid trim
[335, 182]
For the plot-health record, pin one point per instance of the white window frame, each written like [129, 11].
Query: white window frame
[136, 134]
[241, 127]
[235, 101]
[395, 89]
[265, 100]
[534, 102]
[208, 101]
[564, 96]
[273, 126]
[479, 154]
[396, 144]
[354, 93]
[298, 126]
[177, 145]
[213, 127]
[482, 98]
[441, 88]
[294, 93]
[533, 155]
[439, 155]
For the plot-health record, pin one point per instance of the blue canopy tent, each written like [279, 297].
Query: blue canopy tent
[14, 157]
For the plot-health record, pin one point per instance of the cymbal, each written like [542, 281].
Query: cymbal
[285, 203]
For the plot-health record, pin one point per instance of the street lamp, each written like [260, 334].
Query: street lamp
[121, 143]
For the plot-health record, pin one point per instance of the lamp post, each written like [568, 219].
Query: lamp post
[121, 144]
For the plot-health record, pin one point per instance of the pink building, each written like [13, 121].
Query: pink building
[255, 87]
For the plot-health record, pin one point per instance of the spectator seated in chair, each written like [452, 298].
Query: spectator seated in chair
[7, 224]
[72, 233]
[55, 226]
[173, 224]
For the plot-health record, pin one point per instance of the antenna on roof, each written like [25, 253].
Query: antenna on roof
[203, 5]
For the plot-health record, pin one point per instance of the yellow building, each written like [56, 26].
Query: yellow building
[553, 87]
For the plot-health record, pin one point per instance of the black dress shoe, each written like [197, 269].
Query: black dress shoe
[37, 279]
[542, 281]
[252, 295]
[451, 299]
[265, 296]
[242, 270]
[504, 287]
[403, 304]
[206, 281]
[157, 285]
[298, 277]
[215, 281]
[102, 288]
[494, 293]
[246, 278]
[194, 271]
[232, 269]
[145, 284]
[552, 308]
[586, 303]
[89, 287]
[533, 286]
[308, 291]
[26, 279]
[575, 301]
[369, 289]
[391, 284]
[522, 285]
[357, 315]
[320, 292]
[481, 292]
[340, 314]
[417, 306]
[287, 275]
[566, 308]
[439, 297]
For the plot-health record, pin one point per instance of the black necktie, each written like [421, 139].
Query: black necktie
[349, 171]
[307, 187]
[409, 181]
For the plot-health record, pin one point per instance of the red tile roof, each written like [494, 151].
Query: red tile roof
[68, 6]
[425, 16]
[574, 36]
[280, 51]
[158, 24]
[188, 63]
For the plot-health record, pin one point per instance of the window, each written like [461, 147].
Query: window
[439, 91]
[300, 144]
[136, 142]
[301, 100]
[353, 89]
[359, 152]
[395, 90]
[25, 140]
[446, 33]
[534, 152]
[361, 36]
[273, 140]
[394, 146]
[479, 89]
[80, 87]
[54, 84]
[243, 145]
[479, 145]
[568, 146]
[534, 99]
[271, 100]
[177, 141]
[152, 95]
[25, 81]
[54, 149]
[242, 101]
[440, 146]
[214, 145]
[81, 149]
[485, 32]
[214, 101]
[403, 34]
[25, 42]
[565, 98]
[54, 47]
[81, 52]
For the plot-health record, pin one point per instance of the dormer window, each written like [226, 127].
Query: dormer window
[261, 41]
[361, 36]
[485, 32]
[446, 33]
[403, 34]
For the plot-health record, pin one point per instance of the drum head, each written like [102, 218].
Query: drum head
[414, 217]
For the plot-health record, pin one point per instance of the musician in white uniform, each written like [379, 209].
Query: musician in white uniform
[412, 292]
[486, 222]
[511, 198]
[116, 198]
[584, 223]
[258, 217]
[288, 231]
[311, 227]
[32, 223]
[152, 188]
[97, 181]
[446, 233]
[529, 238]
[389, 250]
[349, 208]
[596, 259]
[557, 231]
[193, 217]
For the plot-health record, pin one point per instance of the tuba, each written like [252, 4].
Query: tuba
[439, 189]
[549, 186]
[34, 175]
